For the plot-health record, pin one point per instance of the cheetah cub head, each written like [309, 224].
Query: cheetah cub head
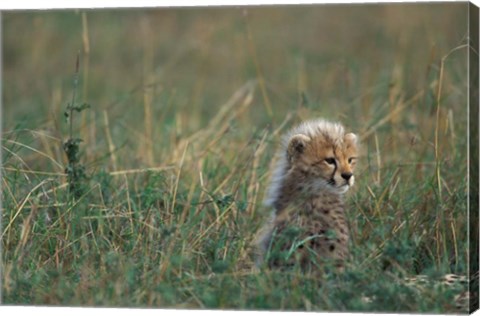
[324, 155]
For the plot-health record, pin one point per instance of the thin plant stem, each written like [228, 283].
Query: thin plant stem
[75, 84]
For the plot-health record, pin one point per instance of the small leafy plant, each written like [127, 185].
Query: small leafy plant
[75, 171]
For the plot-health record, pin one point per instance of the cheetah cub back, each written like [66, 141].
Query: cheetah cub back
[313, 170]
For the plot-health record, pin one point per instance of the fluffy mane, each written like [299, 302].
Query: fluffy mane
[332, 131]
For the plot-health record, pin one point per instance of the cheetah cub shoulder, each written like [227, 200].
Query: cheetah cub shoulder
[313, 170]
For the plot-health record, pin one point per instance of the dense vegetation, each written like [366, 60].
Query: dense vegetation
[186, 109]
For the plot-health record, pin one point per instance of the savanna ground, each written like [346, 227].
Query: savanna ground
[186, 109]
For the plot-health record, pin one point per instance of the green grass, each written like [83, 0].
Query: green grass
[178, 145]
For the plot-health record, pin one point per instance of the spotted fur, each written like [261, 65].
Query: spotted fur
[313, 170]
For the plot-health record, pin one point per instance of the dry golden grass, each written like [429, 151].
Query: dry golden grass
[188, 106]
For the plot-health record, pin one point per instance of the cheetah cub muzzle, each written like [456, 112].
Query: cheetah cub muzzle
[313, 170]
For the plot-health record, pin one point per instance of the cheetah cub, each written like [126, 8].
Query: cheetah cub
[313, 170]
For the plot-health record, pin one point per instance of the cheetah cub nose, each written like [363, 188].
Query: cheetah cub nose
[347, 176]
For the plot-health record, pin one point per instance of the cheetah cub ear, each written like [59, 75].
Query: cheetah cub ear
[296, 145]
[351, 137]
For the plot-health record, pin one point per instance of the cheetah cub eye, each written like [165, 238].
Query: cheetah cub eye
[330, 161]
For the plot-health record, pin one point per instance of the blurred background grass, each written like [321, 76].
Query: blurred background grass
[187, 106]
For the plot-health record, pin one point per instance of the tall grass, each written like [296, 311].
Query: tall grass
[188, 113]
